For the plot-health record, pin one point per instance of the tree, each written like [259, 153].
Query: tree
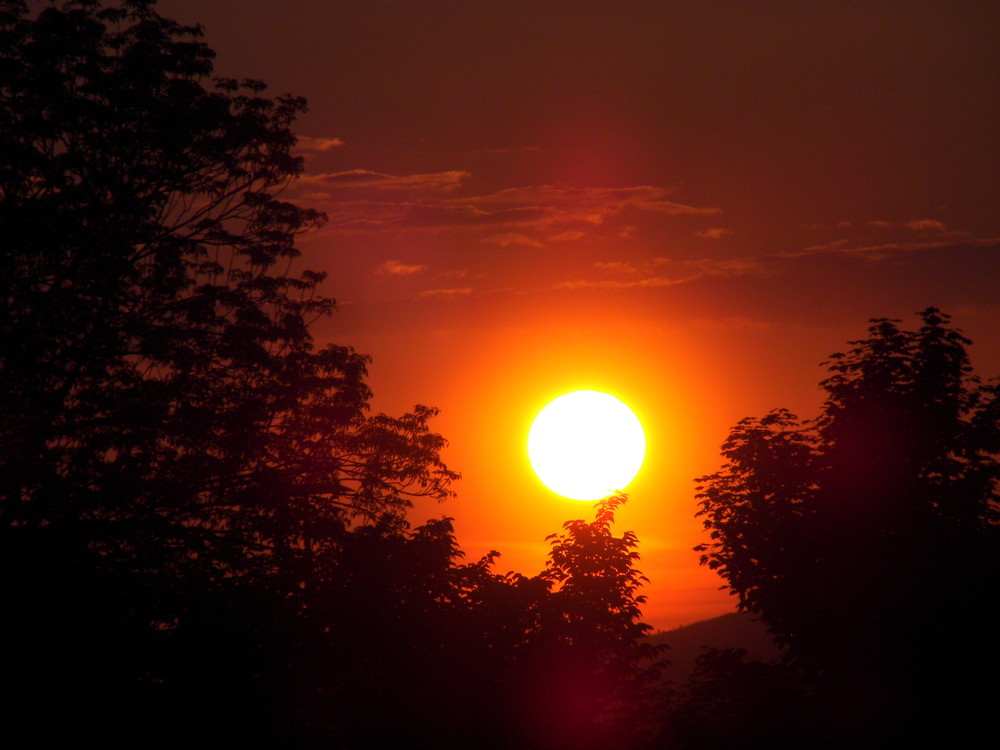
[596, 598]
[201, 523]
[393, 646]
[168, 426]
[732, 701]
[585, 670]
[157, 363]
[868, 538]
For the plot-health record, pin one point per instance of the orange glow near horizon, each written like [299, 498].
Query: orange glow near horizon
[677, 390]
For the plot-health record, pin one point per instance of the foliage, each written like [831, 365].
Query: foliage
[597, 607]
[868, 538]
[390, 646]
[201, 523]
[732, 701]
[756, 508]
[157, 371]
[174, 447]
[463, 656]
[579, 672]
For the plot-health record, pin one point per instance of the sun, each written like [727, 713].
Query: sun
[586, 445]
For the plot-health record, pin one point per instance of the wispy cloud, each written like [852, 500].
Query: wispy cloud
[616, 266]
[446, 293]
[364, 200]
[356, 179]
[662, 272]
[568, 236]
[512, 238]
[925, 225]
[914, 225]
[882, 250]
[309, 143]
[397, 268]
[591, 205]
[715, 233]
[653, 281]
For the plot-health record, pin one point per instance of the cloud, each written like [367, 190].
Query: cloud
[885, 250]
[653, 281]
[834, 246]
[676, 209]
[590, 204]
[807, 266]
[365, 200]
[512, 238]
[616, 266]
[666, 272]
[308, 143]
[446, 293]
[732, 266]
[713, 266]
[715, 233]
[568, 236]
[396, 268]
[366, 178]
[925, 225]
[914, 225]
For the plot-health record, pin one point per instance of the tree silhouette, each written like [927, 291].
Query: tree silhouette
[391, 645]
[152, 344]
[732, 701]
[202, 527]
[400, 639]
[172, 441]
[868, 538]
[586, 673]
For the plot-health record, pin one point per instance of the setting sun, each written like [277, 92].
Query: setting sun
[585, 445]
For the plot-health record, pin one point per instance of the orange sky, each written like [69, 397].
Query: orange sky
[687, 204]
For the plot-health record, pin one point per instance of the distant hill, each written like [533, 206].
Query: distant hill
[735, 630]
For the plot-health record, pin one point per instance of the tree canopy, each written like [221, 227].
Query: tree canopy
[168, 426]
[867, 538]
[202, 524]
[157, 365]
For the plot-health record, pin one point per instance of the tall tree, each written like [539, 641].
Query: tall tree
[168, 426]
[157, 365]
[868, 538]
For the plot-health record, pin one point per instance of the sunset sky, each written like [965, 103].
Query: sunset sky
[689, 205]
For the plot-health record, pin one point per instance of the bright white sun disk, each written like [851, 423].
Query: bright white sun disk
[586, 445]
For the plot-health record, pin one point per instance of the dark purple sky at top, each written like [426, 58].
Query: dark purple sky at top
[788, 126]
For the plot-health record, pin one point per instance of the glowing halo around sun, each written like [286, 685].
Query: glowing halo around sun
[586, 445]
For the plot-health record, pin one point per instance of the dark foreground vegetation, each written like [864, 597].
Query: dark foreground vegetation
[203, 536]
